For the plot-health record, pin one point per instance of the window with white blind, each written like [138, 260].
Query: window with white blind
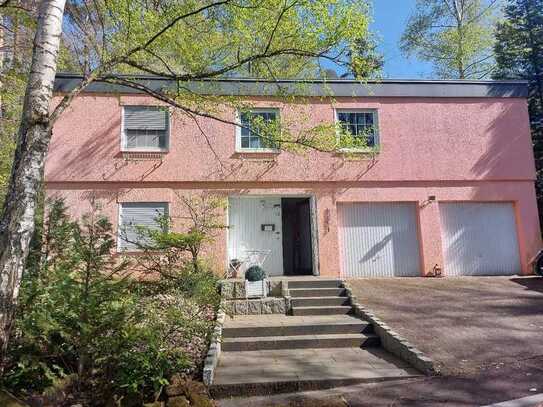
[135, 215]
[145, 128]
[360, 125]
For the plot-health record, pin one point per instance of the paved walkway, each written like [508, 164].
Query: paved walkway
[282, 365]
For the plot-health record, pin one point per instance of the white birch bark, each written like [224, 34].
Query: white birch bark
[17, 222]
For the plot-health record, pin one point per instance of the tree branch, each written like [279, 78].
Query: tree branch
[114, 79]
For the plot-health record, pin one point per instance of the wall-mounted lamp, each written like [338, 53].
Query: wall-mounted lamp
[428, 201]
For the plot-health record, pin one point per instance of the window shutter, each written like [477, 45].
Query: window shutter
[138, 214]
[145, 117]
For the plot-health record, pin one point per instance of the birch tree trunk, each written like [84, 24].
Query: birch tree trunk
[17, 222]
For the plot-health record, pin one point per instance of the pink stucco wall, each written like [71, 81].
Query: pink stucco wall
[455, 149]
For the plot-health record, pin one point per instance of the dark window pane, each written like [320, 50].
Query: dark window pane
[245, 142]
[361, 118]
[245, 132]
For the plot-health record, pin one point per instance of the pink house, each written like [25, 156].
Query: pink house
[445, 182]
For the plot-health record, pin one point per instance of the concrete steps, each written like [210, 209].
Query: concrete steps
[326, 310]
[318, 341]
[319, 301]
[339, 327]
[319, 297]
[317, 292]
[314, 284]
[321, 344]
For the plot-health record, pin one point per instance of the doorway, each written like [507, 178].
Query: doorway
[296, 227]
[277, 229]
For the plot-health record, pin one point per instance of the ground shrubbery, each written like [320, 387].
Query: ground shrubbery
[87, 331]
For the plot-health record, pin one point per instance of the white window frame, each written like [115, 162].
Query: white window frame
[120, 249]
[124, 143]
[377, 141]
[239, 148]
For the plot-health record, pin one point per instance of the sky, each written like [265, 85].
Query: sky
[390, 18]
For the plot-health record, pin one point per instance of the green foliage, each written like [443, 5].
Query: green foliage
[366, 61]
[455, 36]
[11, 95]
[82, 315]
[519, 55]
[255, 273]
[257, 37]
[172, 250]
[18, 28]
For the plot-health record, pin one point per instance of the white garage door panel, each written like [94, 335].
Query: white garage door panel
[479, 239]
[379, 239]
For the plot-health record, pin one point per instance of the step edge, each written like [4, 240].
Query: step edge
[300, 337]
[327, 324]
[324, 307]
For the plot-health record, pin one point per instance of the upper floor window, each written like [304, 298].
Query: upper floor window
[145, 128]
[249, 138]
[135, 218]
[361, 125]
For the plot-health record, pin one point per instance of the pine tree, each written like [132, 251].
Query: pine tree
[519, 55]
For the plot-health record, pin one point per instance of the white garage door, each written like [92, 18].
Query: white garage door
[479, 239]
[379, 239]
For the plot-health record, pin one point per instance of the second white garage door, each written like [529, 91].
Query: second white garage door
[379, 239]
[479, 239]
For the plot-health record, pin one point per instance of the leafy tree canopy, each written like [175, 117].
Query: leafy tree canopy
[456, 36]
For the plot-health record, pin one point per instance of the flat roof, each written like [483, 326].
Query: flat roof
[65, 82]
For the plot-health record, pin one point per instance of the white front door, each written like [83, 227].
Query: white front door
[255, 224]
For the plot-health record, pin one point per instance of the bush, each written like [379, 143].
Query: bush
[83, 317]
[255, 273]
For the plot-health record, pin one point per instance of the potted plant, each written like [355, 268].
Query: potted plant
[256, 284]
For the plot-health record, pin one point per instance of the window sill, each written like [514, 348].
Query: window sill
[136, 155]
[369, 150]
[258, 151]
[259, 155]
[145, 150]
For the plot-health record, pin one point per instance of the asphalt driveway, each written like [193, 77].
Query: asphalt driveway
[465, 324]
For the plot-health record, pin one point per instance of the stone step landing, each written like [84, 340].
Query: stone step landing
[266, 372]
